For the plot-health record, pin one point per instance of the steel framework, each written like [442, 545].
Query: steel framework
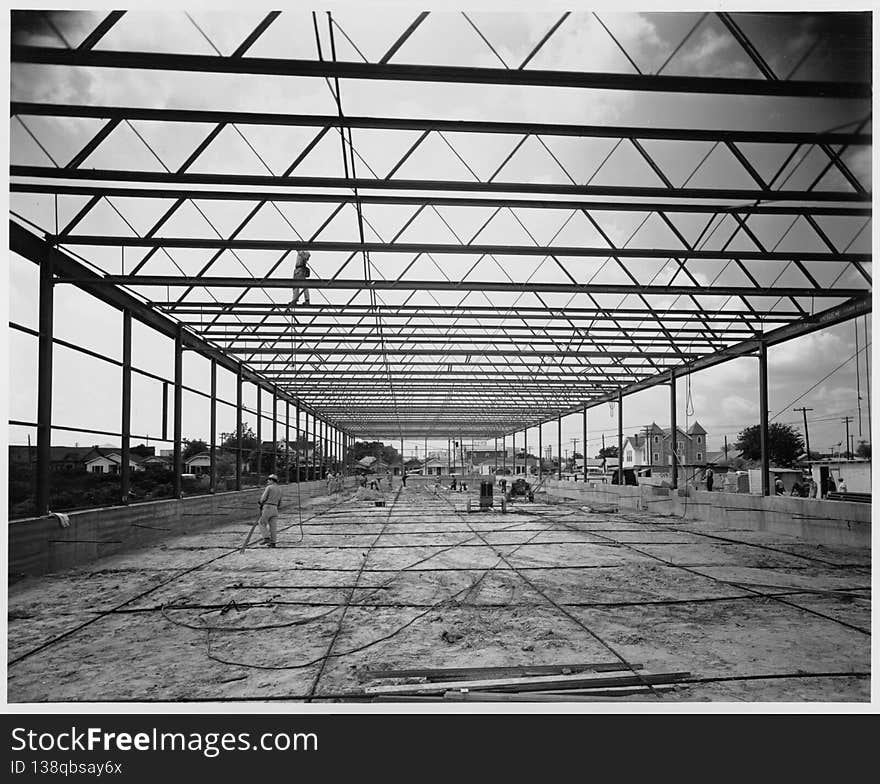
[465, 335]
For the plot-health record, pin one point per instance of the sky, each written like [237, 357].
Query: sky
[724, 398]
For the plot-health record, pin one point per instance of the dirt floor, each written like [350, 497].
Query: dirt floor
[419, 583]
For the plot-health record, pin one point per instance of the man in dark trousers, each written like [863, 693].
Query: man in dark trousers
[300, 272]
[270, 502]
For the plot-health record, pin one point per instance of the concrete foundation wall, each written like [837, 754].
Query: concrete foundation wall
[819, 522]
[38, 545]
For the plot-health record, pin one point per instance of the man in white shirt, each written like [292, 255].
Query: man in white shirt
[270, 503]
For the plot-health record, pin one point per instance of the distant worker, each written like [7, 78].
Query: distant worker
[812, 488]
[797, 489]
[403, 478]
[841, 485]
[300, 272]
[710, 478]
[270, 502]
[780, 488]
[832, 488]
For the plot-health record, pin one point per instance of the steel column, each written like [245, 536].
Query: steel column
[213, 442]
[540, 450]
[259, 430]
[298, 443]
[238, 426]
[274, 431]
[44, 381]
[673, 427]
[586, 473]
[559, 432]
[178, 412]
[764, 414]
[125, 468]
[287, 441]
[620, 436]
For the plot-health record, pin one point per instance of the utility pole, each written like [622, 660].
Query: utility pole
[725, 447]
[806, 427]
[846, 420]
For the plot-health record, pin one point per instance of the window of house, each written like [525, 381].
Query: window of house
[113, 469]
[629, 455]
[680, 446]
[699, 439]
[97, 469]
[699, 456]
[656, 458]
[656, 439]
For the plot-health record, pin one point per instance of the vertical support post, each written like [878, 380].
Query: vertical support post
[559, 433]
[297, 442]
[314, 437]
[540, 450]
[620, 436]
[513, 439]
[585, 445]
[259, 430]
[274, 431]
[504, 450]
[44, 383]
[238, 427]
[213, 442]
[164, 410]
[764, 424]
[125, 468]
[287, 441]
[673, 426]
[178, 412]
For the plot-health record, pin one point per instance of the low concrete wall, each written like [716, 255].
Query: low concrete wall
[820, 522]
[38, 545]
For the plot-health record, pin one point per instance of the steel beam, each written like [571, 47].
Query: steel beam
[732, 136]
[451, 285]
[437, 73]
[250, 195]
[467, 186]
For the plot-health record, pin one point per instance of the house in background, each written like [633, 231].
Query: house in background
[434, 466]
[199, 463]
[653, 448]
[101, 460]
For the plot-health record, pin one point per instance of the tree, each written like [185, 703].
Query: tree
[361, 449]
[607, 451]
[193, 447]
[229, 441]
[785, 445]
[863, 449]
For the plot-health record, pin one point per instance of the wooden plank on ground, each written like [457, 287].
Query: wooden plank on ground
[537, 683]
[508, 671]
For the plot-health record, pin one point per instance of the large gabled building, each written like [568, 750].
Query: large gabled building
[653, 447]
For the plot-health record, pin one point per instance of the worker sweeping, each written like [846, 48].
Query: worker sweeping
[270, 503]
[300, 272]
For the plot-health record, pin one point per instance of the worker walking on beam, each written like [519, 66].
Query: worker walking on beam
[300, 272]
[270, 503]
